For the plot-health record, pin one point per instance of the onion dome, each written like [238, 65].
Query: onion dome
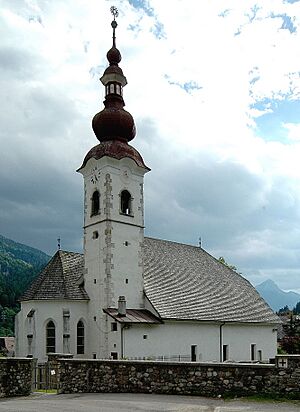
[114, 122]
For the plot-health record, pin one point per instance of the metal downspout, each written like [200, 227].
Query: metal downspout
[221, 341]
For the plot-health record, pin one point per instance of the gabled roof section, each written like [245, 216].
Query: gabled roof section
[184, 282]
[59, 278]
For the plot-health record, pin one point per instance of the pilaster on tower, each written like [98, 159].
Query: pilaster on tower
[113, 174]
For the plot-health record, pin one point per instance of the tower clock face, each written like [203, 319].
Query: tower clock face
[95, 175]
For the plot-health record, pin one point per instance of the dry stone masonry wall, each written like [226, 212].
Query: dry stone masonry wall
[179, 378]
[15, 376]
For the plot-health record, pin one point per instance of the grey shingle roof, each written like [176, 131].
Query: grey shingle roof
[182, 282]
[59, 279]
[185, 282]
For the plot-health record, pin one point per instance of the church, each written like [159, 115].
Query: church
[132, 297]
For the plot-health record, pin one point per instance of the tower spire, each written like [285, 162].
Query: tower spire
[113, 122]
[114, 24]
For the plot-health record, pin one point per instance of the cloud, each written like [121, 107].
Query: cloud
[214, 90]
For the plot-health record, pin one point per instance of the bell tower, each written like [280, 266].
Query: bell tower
[113, 173]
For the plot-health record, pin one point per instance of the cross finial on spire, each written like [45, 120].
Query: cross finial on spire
[114, 24]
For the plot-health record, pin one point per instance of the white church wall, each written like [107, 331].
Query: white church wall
[45, 311]
[173, 338]
[240, 337]
[176, 338]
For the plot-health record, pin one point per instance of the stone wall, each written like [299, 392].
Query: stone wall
[15, 376]
[180, 378]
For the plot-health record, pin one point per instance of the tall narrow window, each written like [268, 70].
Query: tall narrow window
[253, 351]
[50, 337]
[225, 353]
[95, 203]
[193, 353]
[80, 338]
[125, 202]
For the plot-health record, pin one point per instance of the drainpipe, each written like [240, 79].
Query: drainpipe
[122, 313]
[221, 341]
[122, 340]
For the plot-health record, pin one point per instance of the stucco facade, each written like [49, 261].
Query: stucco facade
[31, 321]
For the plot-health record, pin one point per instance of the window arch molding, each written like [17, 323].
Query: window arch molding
[95, 206]
[80, 337]
[50, 331]
[126, 202]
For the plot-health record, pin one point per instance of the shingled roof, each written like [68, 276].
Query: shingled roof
[59, 279]
[184, 282]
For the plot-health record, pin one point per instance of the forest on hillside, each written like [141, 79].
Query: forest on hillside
[19, 265]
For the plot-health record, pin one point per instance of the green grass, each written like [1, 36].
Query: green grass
[46, 390]
[271, 397]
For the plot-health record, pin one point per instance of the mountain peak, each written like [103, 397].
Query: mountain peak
[276, 297]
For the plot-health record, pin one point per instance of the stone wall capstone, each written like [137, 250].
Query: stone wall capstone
[15, 376]
[186, 378]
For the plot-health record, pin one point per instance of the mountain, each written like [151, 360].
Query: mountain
[275, 297]
[19, 265]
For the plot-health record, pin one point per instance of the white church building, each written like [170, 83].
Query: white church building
[128, 296]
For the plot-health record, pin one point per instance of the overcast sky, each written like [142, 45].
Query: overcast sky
[214, 87]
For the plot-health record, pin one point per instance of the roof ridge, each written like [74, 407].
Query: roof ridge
[173, 241]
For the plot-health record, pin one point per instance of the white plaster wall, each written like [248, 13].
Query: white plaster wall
[45, 311]
[173, 338]
[240, 337]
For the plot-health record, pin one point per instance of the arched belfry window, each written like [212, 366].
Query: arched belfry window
[50, 337]
[80, 338]
[126, 202]
[95, 203]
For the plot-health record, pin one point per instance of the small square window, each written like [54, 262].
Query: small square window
[94, 355]
[114, 326]
[126, 281]
[95, 281]
[95, 318]
[145, 336]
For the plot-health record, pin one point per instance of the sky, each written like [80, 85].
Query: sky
[214, 88]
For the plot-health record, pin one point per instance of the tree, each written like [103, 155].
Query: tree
[232, 267]
[290, 343]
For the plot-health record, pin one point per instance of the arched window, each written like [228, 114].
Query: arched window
[80, 338]
[126, 202]
[50, 337]
[95, 203]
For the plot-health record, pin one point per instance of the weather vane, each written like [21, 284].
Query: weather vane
[114, 24]
[58, 243]
[114, 11]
